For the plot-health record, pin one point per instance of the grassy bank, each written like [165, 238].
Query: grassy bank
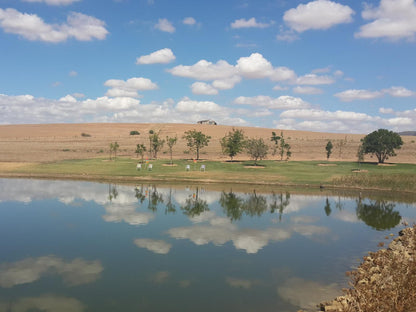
[399, 177]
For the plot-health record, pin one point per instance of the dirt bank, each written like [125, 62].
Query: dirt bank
[384, 282]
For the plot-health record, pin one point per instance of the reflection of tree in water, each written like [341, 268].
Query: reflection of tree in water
[140, 193]
[279, 202]
[170, 206]
[327, 207]
[151, 193]
[339, 204]
[378, 214]
[194, 205]
[232, 205]
[155, 198]
[255, 205]
[112, 192]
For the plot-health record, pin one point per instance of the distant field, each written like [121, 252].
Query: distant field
[54, 142]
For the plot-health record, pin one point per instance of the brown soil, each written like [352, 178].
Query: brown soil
[384, 282]
[52, 142]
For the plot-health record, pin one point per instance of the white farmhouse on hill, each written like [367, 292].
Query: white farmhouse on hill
[207, 122]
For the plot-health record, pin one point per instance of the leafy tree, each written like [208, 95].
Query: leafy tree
[382, 143]
[328, 149]
[281, 145]
[156, 143]
[171, 142]
[340, 145]
[151, 132]
[113, 149]
[256, 149]
[275, 139]
[134, 132]
[140, 149]
[233, 143]
[196, 140]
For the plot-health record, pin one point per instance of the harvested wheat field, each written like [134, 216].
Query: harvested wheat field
[53, 142]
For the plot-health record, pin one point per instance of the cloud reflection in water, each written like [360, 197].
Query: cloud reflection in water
[73, 273]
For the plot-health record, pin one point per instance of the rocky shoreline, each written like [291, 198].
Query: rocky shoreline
[385, 280]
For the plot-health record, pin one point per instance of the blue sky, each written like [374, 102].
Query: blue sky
[332, 66]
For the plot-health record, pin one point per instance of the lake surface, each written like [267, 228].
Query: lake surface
[81, 246]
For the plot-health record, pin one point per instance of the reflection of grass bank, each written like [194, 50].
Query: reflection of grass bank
[309, 173]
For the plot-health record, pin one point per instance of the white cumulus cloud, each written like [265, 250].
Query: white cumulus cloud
[30, 26]
[282, 102]
[307, 90]
[319, 14]
[392, 19]
[399, 92]
[250, 23]
[130, 87]
[188, 105]
[189, 21]
[313, 79]
[162, 56]
[164, 25]
[203, 88]
[205, 70]
[354, 94]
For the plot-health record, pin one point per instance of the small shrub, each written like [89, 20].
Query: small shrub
[134, 132]
[85, 135]
[66, 150]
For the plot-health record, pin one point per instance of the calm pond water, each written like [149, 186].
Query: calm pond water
[81, 246]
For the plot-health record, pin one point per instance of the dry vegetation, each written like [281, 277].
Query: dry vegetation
[52, 142]
[384, 282]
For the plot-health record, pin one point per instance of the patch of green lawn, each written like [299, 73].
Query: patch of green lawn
[268, 171]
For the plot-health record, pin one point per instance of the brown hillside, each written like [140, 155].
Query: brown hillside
[51, 142]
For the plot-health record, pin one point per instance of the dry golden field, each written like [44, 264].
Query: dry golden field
[52, 142]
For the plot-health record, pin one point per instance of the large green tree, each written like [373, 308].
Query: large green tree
[233, 143]
[196, 140]
[382, 143]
